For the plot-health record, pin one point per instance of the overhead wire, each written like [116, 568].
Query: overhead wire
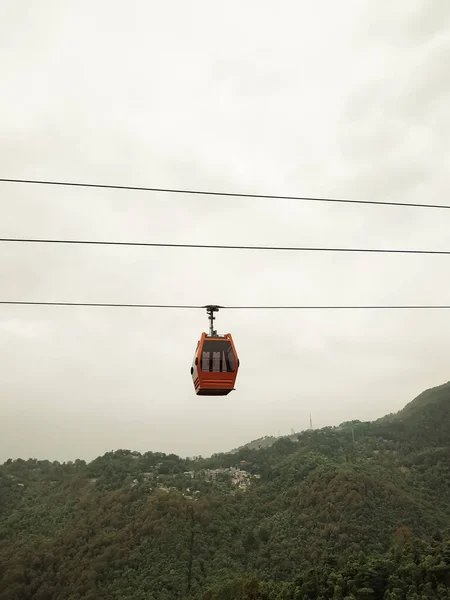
[224, 246]
[225, 194]
[232, 307]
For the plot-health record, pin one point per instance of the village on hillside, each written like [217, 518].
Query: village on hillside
[226, 478]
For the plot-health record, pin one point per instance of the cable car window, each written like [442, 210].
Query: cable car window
[218, 357]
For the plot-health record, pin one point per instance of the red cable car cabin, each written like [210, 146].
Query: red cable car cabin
[215, 365]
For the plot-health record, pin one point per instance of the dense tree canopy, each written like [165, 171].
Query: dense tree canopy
[358, 511]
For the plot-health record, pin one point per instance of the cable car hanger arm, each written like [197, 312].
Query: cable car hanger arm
[210, 310]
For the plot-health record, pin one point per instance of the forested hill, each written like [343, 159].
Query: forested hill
[356, 511]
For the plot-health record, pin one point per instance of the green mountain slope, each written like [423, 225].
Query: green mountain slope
[356, 511]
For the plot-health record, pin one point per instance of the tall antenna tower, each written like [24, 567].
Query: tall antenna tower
[310, 421]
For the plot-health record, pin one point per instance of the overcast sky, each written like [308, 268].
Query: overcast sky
[345, 99]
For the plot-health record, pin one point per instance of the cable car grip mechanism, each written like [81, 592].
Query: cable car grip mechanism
[210, 310]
